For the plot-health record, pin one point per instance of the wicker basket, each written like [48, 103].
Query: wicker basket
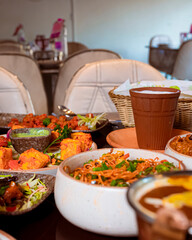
[183, 117]
[124, 108]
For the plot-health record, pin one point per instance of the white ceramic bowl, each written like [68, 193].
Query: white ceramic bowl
[94, 208]
[187, 160]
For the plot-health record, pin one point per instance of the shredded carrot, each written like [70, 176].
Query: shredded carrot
[115, 169]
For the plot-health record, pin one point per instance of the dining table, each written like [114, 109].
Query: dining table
[45, 221]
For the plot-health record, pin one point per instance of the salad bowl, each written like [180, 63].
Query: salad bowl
[96, 208]
[33, 182]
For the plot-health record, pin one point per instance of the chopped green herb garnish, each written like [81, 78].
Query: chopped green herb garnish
[132, 167]
[2, 189]
[94, 176]
[46, 121]
[88, 162]
[120, 164]
[102, 168]
[63, 133]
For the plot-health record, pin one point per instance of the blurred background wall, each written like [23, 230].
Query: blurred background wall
[124, 26]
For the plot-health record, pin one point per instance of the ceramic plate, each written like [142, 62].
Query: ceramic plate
[51, 169]
[6, 236]
[48, 180]
[126, 138]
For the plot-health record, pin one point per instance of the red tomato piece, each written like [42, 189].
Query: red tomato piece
[11, 209]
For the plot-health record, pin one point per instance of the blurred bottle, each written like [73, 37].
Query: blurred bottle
[59, 34]
[64, 41]
[20, 34]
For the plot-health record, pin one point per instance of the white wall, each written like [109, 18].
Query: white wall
[37, 16]
[124, 26]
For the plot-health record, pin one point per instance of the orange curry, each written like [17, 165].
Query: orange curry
[182, 144]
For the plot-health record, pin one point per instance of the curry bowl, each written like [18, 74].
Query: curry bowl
[171, 149]
[23, 139]
[96, 208]
[162, 205]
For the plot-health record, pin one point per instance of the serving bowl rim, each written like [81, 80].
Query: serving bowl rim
[148, 179]
[40, 128]
[65, 174]
[168, 145]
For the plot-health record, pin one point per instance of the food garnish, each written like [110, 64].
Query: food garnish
[91, 121]
[63, 133]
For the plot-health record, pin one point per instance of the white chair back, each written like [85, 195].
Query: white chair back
[28, 71]
[74, 63]
[159, 40]
[183, 65]
[11, 46]
[14, 96]
[88, 90]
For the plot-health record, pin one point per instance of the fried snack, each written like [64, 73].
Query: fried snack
[30, 159]
[70, 147]
[5, 157]
[17, 126]
[54, 135]
[84, 138]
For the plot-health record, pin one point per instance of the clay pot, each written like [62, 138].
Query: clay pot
[154, 111]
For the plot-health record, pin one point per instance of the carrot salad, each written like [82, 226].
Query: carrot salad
[115, 169]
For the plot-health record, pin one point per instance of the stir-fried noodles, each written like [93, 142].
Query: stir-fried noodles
[115, 169]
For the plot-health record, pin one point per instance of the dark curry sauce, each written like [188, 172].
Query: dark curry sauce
[162, 192]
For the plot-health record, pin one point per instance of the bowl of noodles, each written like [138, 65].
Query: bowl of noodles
[91, 188]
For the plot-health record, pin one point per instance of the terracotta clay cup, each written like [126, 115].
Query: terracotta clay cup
[154, 111]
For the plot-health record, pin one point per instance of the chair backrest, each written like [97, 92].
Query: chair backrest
[183, 65]
[11, 46]
[14, 96]
[74, 63]
[74, 47]
[88, 90]
[161, 56]
[160, 40]
[27, 70]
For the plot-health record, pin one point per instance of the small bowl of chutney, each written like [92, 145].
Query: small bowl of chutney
[23, 139]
